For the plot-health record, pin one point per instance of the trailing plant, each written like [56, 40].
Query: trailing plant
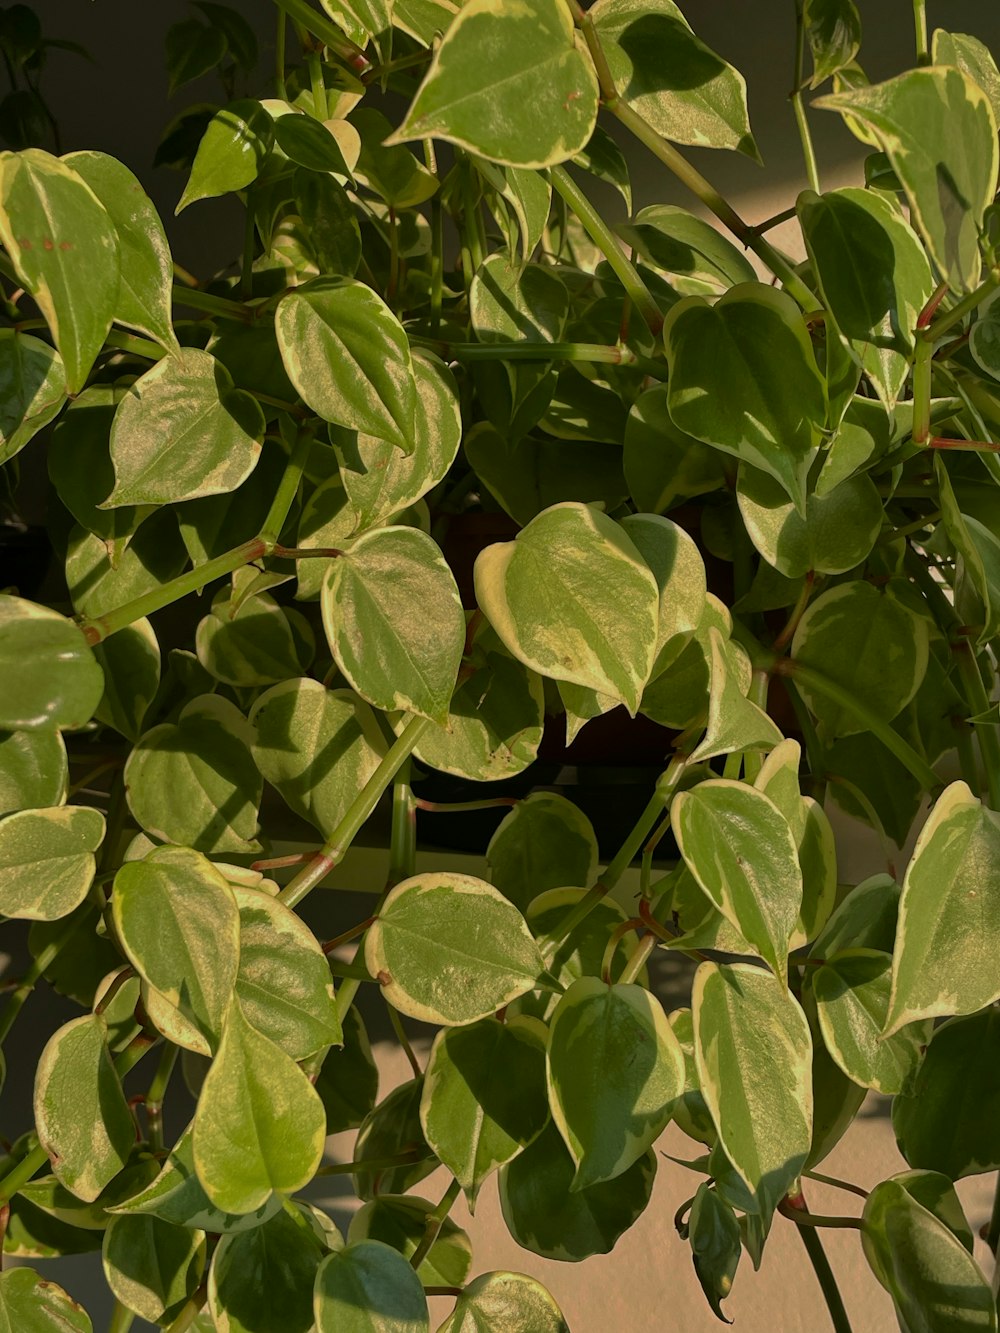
[754, 500]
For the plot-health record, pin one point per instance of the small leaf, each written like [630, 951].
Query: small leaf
[349, 358]
[513, 303]
[32, 389]
[663, 466]
[192, 49]
[833, 30]
[231, 153]
[545, 842]
[449, 949]
[686, 246]
[369, 1288]
[614, 1070]
[263, 1278]
[47, 860]
[714, 1233]
[387, 168]
[574, 600]
[178, 922]
[130, 661]
[401, 1221]
[260, 1125]
[309, 143]
[348, 1079]
[151, 1266]
[248, 638]
[183, 431]
[505, 1303]
[754, 1056]
[522, 112]
[34, 770]
[392, 1129]
[945, 961]
[32, 1304]
[394, 621]
[82, 1118]
[63, 245]
[50, 675]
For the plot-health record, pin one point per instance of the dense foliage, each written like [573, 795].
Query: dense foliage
[762, 512]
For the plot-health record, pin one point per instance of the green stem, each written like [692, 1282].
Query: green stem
[121, 1319]
[195, 299]
[317, 85]
[18, 1176]
[98, 628]
[403, 839]
[279, 55]
[347, 830]
[435, 1221]
[128, 342]
[715, 202]
[249, 240]
[393, 285]
[609, 245]
[320, 26]
[874, 722]
[920, 31]
[962, 308]
[155, 1095]
[798, 105]
[437, 261]
[44, 961]
[404, 1041]
[369, 1164]
[637, 960]
[827, 1281]
[287, 490]
[922, 368]
[190, 1312]
[598, 353]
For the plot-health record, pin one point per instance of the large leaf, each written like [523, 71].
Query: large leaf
[260, 1125]
[740, 849]
[34, 770]
[151, 1266]
[509, 302]
[614, 1070]
[574, 600]
[32, 389]
[348, 357]
[946, 959]
[50, 676]
[183, 431]
[449, 949]
[144, 294]
[318, 747]
[235, 144]
[484, 1097]
[32, 1304]
[178, 922]
[973, 58]
[394, 621]
[262, 1279]
[948, 1119]
[194, 782]
[63, 245]
[369, 1288]
[546, 1215]
[674, 81]
[532, 103]
[82, 1118]
[47, 860]
[546, 842]
[935, 1284]
[938, 130]
[744, 379]
[754, 1057]
[505, 1303]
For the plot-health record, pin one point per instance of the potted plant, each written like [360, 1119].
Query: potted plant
[754, 504]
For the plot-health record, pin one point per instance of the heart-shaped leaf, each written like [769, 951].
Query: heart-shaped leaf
[47, 860]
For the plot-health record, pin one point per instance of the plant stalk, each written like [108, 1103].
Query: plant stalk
[825, 1277]
[798, 105]
[435, 1221]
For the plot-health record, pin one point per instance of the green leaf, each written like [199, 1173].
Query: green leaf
[505, 1303]
[529, 194]
[686, 246]
[231, 153]
[144, 295]
[679, 570]
[449, 949]
[348, 357]
[754, 1056]
[714, 1233]
[348, 1079]
[283, 983]
[192, 49]
[402, 1221]
[614, 1070]
[263, 1278]
[546, 842]
[387, 168]
[934, 1282]
[49, 672]
[381, 480]
[47, 860]
[329, 220]
[241, 40]
[680, 87]
[533, 105]
[104, 574]
[193, 782]
[178, 922]
[973, 58]
[945, 961]
[183, 431]
[248, 639]
[151, 1266]
[509, 302]
[32, 389]
[130, 661]
[176, 1196]
[573, 599]
[63, 246]
[260, 1125]
[852, 999]
[740, 849]
[743, 378]
[833, 30]
[81, 1116]
[369, 1288]
[392, 1129]
[34, 770]
[394, 621]
[546, 1215]
[836, 534]
[947, 1120]
[864, 919]
[867, 641]
[734, 723]
[32, 1304]
[484, 1097]
[310, 143]
[663, 466]
[318, 747]
[939, 133]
